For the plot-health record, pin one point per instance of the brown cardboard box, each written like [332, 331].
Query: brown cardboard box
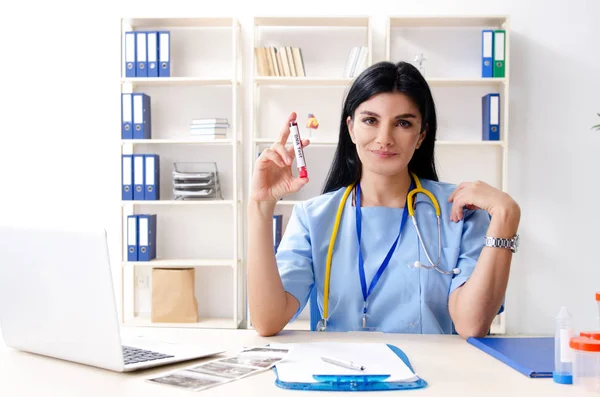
[173, 296]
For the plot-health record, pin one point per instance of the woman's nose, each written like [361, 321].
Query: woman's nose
[384, 136]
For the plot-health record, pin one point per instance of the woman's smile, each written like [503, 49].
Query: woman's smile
[383, 154]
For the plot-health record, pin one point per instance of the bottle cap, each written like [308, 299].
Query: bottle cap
[585, 344]
[591, 335]
[598, 296]
[302, 172]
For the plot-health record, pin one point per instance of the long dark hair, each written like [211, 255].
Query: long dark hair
[379, 78]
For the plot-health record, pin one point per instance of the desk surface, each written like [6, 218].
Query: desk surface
[451, 366]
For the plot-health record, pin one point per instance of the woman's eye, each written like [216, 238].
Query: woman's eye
[404, 124]
[369, 120]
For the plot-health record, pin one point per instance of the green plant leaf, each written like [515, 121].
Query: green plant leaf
[596, 127]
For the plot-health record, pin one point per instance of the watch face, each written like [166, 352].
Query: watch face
[516, 239]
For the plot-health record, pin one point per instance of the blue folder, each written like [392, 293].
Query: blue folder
[490, 117]
[487, 53]
[533, 357]
[355, 383]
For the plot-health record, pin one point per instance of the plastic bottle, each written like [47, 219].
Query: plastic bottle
[563, 358]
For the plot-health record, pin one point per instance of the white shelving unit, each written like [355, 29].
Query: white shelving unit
[453, 70]
[326, 43]
[205, 56]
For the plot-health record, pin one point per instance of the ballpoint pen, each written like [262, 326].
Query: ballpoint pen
[342, 363]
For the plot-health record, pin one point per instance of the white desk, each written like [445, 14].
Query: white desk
[451, 366]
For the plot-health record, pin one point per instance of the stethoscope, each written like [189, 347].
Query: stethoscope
[322, 323]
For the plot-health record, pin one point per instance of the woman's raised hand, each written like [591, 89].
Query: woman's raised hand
[272, 178]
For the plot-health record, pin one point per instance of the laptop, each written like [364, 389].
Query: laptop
[57, 299]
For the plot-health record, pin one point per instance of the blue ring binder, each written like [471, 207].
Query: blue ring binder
[355, 383]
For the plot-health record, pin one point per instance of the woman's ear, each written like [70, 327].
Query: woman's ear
[350, 125]
[422, 136]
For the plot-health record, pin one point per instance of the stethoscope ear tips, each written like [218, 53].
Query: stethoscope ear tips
[417, 264]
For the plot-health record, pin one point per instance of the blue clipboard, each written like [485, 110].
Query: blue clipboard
[355, 383]
[531, 356]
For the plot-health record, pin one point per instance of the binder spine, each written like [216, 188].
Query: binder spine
[499, 53]
[490, 117]
[487, 53]
[132, 238]
[130, 55]
[164, 54]
[141, 51]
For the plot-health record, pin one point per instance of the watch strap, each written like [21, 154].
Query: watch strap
[498, 242]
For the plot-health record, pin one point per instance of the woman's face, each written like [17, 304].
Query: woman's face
[386, 130]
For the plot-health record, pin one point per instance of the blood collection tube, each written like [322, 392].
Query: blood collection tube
[297, 140]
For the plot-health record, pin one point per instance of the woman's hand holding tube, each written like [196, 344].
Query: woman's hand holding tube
[272, 178]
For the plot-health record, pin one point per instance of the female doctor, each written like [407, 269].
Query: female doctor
[381, 274]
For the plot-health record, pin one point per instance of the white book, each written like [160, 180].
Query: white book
[210, 121]
[285, 62]
[208, 131]
[201, 126]
[349, 62]
[360, 61]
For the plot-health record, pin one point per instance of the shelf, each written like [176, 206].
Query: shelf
[447, 22]
[146, 23]
[312, 21]
[465, 82]
[186, 141]
[183, 263]
[203, 323]
[302, 81]
[174, 81]
[177, 202]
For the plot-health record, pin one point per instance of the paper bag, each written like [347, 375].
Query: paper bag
[173, 298]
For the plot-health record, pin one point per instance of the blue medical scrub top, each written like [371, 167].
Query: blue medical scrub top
[406, 300]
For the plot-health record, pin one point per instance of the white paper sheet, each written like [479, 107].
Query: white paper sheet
[304, 360]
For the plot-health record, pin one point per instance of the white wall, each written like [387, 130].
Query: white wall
[59, 151]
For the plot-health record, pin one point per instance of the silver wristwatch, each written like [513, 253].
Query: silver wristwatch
[509, 243]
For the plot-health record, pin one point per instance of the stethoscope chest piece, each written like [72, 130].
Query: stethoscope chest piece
[322, 325]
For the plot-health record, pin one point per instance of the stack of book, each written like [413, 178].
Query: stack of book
[282, 61]
[209, 128]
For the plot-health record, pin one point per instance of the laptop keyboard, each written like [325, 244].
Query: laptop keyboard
[134, 355]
